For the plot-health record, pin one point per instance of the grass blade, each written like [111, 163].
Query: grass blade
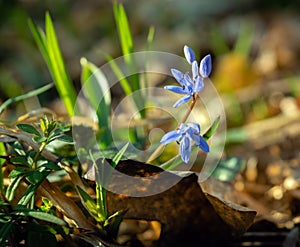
[118, 72]
[126, 41]
[119, 155]
[96, 87]
[49, 47]
[25, 96]
[63, 82]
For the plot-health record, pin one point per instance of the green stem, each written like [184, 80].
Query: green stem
[37, 155]
[183, 120]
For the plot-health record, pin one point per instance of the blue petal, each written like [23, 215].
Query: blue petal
[175, 89]
[205, 66]
[195, 69]
[170, 137]
[199, 85]
[203, 145]
[185, 149]
[195, 127]
[179, 76]
[188, 81]
[189, 54]
[182, 100]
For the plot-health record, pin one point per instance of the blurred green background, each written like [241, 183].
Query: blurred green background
[255, 45]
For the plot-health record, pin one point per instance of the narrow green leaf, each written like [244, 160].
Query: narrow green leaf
[119, 155]
[40, 39]
[19, 160]
[118, 72]
[12, 187]
[2, 161]
[212, 129]
[123, 29]
[49, 48]
[29, 129]
[41, 216]
[245, 38]
[96, 87]
[18, 172]
[150, 37]
[30, 94]
[34, 177]
[52, 166]
[30, 191]
[65, 138]
[127, 47]
[39, 139]
[4, 231]
[51, 126]
[90, 205]
[61, 77]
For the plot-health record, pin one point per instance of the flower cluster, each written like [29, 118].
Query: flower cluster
[185, 134]
[188, 85]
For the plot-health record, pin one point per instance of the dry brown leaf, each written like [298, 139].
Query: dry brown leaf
[187, 215]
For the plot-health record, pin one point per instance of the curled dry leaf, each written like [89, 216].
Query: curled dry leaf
[187, 215]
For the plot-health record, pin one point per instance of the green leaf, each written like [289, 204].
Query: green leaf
[176, 160]
[95, 87]
[52, 166]
[245, 38]
[19, 171]
[212, 129]
[30, 94]
[44, 124]
[64, 138]
[2, 161]
[50, 50]
[90, 205]
[39, 139]
[40, 38]
[34, 177]
[29, 129]
[61, 77]
[4, 231]
[120, 75]
[119, 155]
[12, 187]
[19, 160]
[228, 169]
[123, 28]
[126, 41]
[113, 223]
[51, 126]
[30, 191]
[40, 216]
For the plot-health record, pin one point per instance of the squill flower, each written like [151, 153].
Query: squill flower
[190, 86]
[185, 134]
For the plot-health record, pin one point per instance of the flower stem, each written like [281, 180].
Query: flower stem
[183, 120]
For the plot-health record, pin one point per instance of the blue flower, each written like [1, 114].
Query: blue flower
[205, 63]
[190, 86]
[189, 54]
[205, 66]
[185, 134]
